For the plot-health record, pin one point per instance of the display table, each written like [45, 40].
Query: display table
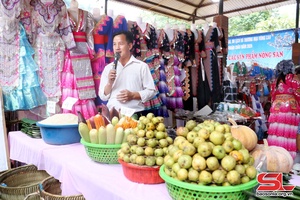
[78, 173]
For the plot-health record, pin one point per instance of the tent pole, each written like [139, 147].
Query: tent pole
[105, 7]
[297, 22]
[221, 7]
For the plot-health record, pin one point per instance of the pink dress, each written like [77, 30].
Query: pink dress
[284, 115]
[77, 76]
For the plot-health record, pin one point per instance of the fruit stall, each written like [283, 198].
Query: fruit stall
[112, 156]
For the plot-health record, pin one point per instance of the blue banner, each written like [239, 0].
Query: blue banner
[266, 49]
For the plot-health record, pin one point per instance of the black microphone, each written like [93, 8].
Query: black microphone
[117, 57]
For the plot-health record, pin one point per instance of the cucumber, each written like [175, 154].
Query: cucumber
[119, 135]
[102, 135]
[84, 131]
[94, 136]
[110, 134]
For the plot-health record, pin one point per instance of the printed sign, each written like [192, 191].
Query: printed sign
[271, 184]
[266, 49]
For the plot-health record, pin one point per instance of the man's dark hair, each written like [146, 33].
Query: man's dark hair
[128, 35]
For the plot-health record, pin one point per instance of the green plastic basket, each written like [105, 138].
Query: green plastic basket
[103, 153]
[179, 190]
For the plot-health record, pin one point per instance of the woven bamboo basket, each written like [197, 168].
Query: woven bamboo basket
[17, 183]
[50, 190]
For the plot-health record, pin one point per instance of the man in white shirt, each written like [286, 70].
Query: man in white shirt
[130, 84]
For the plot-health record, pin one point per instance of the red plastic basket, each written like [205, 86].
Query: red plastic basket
[141, 174]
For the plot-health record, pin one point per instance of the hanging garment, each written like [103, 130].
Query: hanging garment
[51, 35]
[18, 74]
[284, 115]
[103, 46]
[77, 76]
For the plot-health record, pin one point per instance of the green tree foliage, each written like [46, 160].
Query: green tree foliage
[259, 22]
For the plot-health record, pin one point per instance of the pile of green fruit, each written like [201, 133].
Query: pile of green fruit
[208, 154]
[147, 144]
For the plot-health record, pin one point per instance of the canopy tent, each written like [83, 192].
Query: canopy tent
[205, 10]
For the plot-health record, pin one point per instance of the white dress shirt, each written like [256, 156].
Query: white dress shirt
[135, 76]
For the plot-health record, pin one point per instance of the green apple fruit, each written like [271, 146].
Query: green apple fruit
[141, 133]
[177, 154]
[182, 131]
[172, 149]
[205, 177]
[176, 167]
[212, 163]
[237, 145]
[140, 160]
[193, 175]
[233, 177]
[149, 151]
[185, 161]
[169, 139]
[150, 134]
[159, 135]
[205, 149]
[245, 179]
[240, 169]
[218, 176]
[251, 172]
[191, 124]
[146, 121]
[217, 138]
[155, 120]
[228, 146]
[150, 126]
[198, 162]
[197, 141]
[161, 127]
[141, 142]
[220, 128]
[126, 158]
[159, 161]
[246, 155]
[228, 163]
[133, 158]
[163, 143]
[140, 151]
[158, 152]
[133, 149]
[209, 127]
[204, 133]
[150, 116]
[191, 136]
[151, 142]
[189, 149]
[178, 140]
[150, 161]
[141, 125]
[219, 151]
[182, 174]
[125, 149]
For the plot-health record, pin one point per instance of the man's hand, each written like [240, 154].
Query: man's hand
[125, 96]
[112, 76]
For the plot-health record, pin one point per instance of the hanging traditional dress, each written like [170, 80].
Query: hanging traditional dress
[103, 46]
[173, 71]
[189, 54]
[18, 74]
[51, 35]
[120, 24]
[141, 51]
[211, 64]
[164, 50]
[284, 114]
[77, 76]
[202, 88]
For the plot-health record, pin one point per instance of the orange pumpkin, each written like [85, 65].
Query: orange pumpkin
[278, 158]
[244, 134]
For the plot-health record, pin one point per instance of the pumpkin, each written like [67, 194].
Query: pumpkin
[278, 158]
[244, 134]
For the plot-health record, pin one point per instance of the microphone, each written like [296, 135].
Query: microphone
[117, 57]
